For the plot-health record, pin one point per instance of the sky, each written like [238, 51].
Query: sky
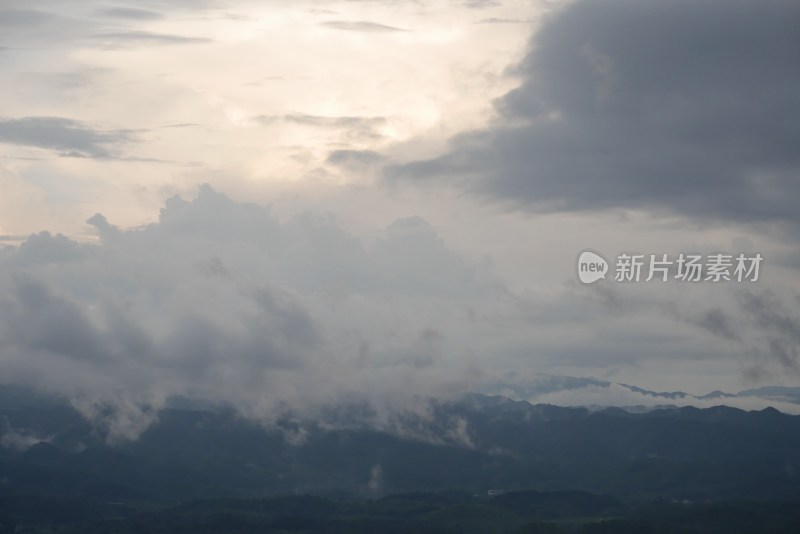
[305, 203]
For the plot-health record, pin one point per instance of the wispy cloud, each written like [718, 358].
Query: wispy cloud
[129, 13]
[356, 128]
[495, 20]
[66, 136]
[360, 26]
[323, 120]
[140, 37]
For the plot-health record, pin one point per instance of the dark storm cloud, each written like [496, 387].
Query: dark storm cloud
[684, 106]
[360, 26]
[66, 136]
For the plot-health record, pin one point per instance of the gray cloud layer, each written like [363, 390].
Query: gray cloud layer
[67, 136]
[52, 26]
[222, 302]
[219, 301]
[683, 106]
[130, 13]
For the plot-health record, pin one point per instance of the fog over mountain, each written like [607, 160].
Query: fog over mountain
[187, 215]
[222, 303]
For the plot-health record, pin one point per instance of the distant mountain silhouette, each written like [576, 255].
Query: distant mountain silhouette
[476, 443]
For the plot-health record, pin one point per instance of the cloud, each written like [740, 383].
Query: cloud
[56, 25]
[481, 4]
[141, 37]
[17, 13]
[354, 160]
[66, 136]
[355, 128]
[375, 483]
[19, 440]
[322, 11]
[619, 395]
[591, 392]
[22, 17]
[682, 107]
[34, 317]
[12, 238]
[324, 121]
[221, 302]
[24, 28]
[130, 13]
[44, 248]
[718, 323]
[360, 26]
[777, 325]
[495, 20]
